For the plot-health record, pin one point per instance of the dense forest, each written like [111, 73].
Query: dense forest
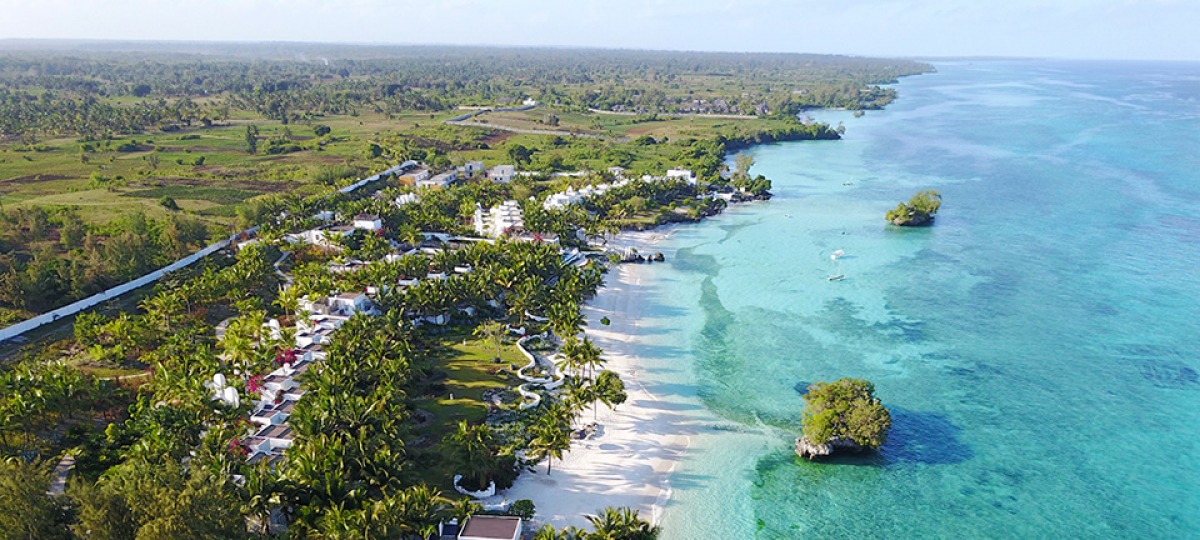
[96, 92]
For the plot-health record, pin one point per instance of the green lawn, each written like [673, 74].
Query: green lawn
[468, 377]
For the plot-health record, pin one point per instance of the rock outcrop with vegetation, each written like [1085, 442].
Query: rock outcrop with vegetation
[919, 211]
[844, 414]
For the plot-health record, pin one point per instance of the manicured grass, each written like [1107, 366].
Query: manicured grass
[468, 377]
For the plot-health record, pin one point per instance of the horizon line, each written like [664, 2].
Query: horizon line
[381, 44]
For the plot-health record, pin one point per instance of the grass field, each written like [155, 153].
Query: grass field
[469, 372]
[205, 169]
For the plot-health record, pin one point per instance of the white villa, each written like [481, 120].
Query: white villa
[407, 198]
[499, 219]
[319, 237]
[683, 174]
[571, 196]
[441, 180]
[471, 168]
[368, 222]
[502, 174]
[562, 199]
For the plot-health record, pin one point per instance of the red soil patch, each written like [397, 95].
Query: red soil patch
[35, 178]
[497, 137]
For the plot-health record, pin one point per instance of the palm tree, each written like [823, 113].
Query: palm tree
[580, 393]
[260, 495]
[621, 524]
[288, 300]
[472, 450]
[552, 433]
[569, 357]
[565, 318]
[608, 389]
[589, 356]
[492, 332]
[548, 532]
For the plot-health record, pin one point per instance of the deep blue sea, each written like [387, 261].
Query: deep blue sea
[1039, 346]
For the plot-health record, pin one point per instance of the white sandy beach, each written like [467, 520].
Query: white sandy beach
[629, 461]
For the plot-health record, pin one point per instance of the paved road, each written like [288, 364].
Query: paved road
[529, 131]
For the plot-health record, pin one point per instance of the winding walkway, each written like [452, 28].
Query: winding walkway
[58, 483]
[533, 399]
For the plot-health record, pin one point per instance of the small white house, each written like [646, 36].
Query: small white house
[502, 174]
[441, 180]
[415, 176]
[471, 168]
[350, 303]
[368, 222]
[682, 174]
[562, 199]
[491, 528]
[407, 198]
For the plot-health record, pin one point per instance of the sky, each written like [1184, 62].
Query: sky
[1094, 29]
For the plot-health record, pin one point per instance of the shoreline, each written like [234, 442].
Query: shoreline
[630, 459]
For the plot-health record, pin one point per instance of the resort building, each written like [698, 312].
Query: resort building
[414, 177]
[502, 174]
[500, 219]
[491, 528]
[563, 199]
[682, 174]
[471, 168]
[440, 181]
[407, 198]
[368, 222]
[319, 237]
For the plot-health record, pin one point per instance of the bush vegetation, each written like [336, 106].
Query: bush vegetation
[845, 409]
[920, 210]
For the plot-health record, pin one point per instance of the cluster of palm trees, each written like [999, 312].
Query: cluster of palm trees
[37, 395]
[348, 472]
[609, 524]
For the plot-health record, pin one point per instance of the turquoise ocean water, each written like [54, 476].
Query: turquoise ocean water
[1039, 346]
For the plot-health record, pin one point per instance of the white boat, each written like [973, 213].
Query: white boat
[836, 257]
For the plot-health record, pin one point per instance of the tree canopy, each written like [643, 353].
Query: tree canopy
[920, 209]
[845, 409]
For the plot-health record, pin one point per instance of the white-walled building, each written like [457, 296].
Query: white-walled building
[319, 237]
[441, 180]
[368, 222]
[499, 219]
[562, 199]
[407, 198]
[682, 174]
[471, 168]
[415, 176]
[350, 303]
[502, 174]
